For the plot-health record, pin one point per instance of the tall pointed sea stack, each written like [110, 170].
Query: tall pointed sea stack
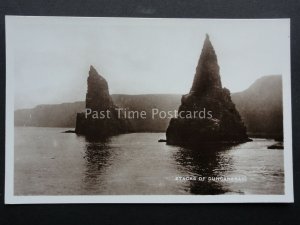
[100, 118]
[214, 116]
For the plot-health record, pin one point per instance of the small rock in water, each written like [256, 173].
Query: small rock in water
[69, 131]
[278, 145]
[162, 140]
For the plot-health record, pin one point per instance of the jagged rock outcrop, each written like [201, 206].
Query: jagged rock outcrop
[100, 118]
[222, 124]
[97, 96]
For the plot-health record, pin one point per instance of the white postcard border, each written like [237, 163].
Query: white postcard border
[10, 198]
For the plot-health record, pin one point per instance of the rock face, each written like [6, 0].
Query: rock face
[97, 96]
[100, 118]
[260, 107]
[223, 124]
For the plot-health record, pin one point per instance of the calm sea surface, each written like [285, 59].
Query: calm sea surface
[48, 162]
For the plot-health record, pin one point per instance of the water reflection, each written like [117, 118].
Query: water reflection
[97, 157]
[138, 164]
[204, 161]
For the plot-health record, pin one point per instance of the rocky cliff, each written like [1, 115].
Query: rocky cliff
[94, 123]
[222, 124]
[261, 107]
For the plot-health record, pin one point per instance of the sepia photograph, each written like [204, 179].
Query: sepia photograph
[140, 110]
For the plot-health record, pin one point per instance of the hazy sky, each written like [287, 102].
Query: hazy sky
[50, 56]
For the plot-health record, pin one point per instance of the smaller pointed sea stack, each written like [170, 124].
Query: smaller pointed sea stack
[207, 113]
[97, 96]
[100, 118]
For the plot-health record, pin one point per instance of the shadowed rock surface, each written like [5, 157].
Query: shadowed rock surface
[225, 124]
[97, 100]
[97, 96]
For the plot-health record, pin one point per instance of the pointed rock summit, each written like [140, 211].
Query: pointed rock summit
[207, 113]
[207, 77]
[100, 119]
